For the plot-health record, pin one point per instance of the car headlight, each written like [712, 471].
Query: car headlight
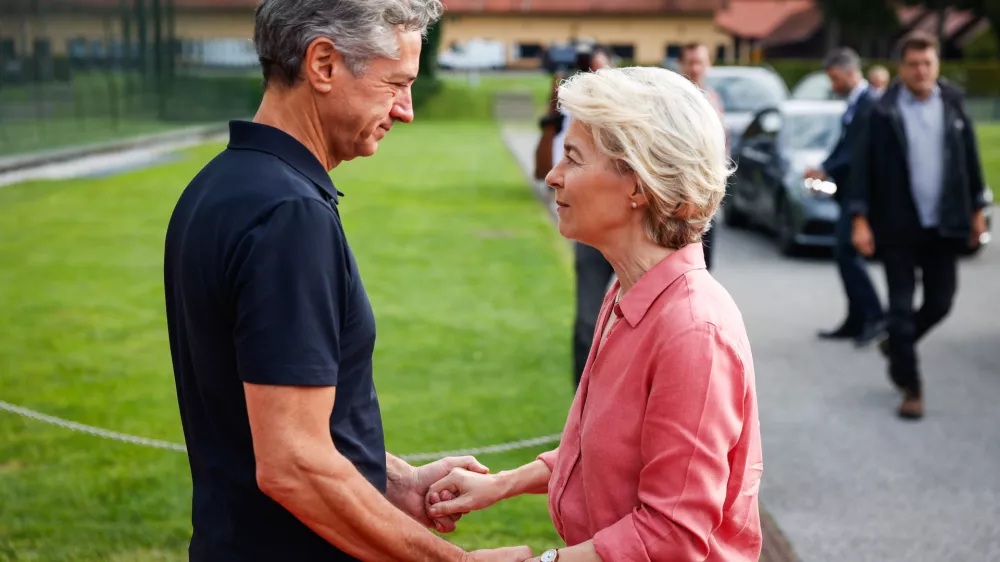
[819, 187]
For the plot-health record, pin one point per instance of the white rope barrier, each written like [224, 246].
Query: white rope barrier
[157, 444]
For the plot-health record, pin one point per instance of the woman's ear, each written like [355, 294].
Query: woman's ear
[639, 196]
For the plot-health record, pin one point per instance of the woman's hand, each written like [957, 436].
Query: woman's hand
[463, 491]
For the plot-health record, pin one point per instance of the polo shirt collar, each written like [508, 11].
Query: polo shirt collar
[246, 135]
[634, 305]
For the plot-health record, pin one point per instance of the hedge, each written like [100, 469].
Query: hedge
[977, 78]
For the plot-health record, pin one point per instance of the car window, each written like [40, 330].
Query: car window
[742, 93]
[819, 131]
[815, 86]
[764, 127]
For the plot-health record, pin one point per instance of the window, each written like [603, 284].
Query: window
[623, 51]
[674, 51]
[8, 49]
[817, 131]
[42, 48]
[76, 48]
[529, 51]
[97, 49]
[720, 53]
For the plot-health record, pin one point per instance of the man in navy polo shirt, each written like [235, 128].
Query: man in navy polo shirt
[271, 331]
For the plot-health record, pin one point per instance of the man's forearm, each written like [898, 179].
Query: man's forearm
[328, 494]
[398, 472]
[532, 478]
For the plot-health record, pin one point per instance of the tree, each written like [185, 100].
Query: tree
[858, 23]
[429, 52]
[990, 9]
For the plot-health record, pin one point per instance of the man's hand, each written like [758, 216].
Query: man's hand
[862, 237]
[509, 554]
[462, 492]
[408, 487]
[814, 173]
[978, 228]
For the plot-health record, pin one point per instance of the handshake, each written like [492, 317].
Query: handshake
[440, 493]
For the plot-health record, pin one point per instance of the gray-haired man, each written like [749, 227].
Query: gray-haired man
[271, 330]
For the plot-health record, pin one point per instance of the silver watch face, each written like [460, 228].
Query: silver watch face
[549, 556]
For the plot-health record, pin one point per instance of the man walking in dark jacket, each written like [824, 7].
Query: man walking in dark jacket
[918, 197]
[864, 322]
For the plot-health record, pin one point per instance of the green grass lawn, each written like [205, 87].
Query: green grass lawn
[989, 146]
[470, 284]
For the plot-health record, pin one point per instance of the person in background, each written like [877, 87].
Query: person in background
[270, 327]
[694, 64]
[661, 456]
[593, 272]
[878, 79]
[917, 198]
[865, 320]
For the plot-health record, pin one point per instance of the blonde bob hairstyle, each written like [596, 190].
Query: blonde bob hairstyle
[658, 125]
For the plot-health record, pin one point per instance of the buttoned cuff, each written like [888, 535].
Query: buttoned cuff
[857, 208]
[621, 541]
[979, 202]
[550, 459]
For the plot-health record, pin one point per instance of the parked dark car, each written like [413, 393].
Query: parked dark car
[768, 189]
[744, 91]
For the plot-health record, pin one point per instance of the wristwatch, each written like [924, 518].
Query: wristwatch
[550, 555]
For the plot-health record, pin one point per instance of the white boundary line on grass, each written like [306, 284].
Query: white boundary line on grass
[156, 444]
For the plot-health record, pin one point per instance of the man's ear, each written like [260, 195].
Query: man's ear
[321, 64]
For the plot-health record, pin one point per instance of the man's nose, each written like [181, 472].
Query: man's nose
[402, 108]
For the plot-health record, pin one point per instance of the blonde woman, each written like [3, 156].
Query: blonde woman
[661, 455]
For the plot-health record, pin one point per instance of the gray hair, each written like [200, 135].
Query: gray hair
[361, 30]
[843, 58]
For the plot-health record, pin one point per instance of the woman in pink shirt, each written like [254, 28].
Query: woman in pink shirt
[661, 456]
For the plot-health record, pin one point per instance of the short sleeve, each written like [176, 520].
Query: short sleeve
[550, 458]
[289, 281]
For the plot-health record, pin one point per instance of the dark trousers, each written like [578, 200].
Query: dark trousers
[708, 243]
[937, 260]
[863, 304]
[593, 273]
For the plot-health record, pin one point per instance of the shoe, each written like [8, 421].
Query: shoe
[845, 332]
[870, 333]
[912, 408]
[883, 346]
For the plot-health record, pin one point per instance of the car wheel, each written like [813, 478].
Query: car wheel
[786, 230]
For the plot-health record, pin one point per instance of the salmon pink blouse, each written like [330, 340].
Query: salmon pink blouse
[661, 455]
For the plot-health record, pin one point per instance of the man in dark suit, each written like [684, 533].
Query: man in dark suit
[917, 198]
[865, 319]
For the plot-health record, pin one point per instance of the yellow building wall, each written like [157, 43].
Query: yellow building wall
[650, 35]
[59, 29]
[228, 25]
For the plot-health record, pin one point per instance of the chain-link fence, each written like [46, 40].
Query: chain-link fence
[83, 71]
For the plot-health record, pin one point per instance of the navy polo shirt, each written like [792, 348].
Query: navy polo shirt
[261, 287]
